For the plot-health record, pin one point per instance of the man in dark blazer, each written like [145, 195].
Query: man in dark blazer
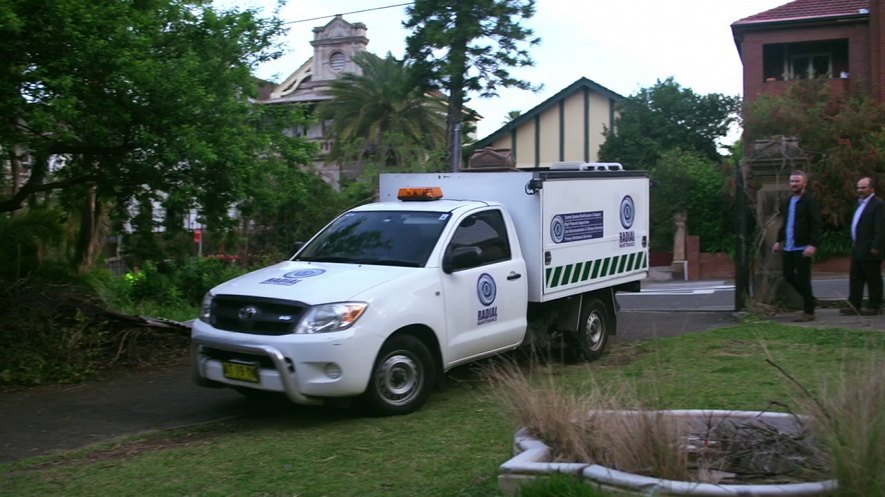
[868, 235]
[798, 239]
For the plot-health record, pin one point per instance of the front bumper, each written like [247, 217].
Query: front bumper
[307, 368]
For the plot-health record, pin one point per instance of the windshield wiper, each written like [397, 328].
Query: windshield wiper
[352, 260]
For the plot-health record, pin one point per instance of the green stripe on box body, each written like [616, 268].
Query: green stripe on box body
[577, 273]
[597, 268]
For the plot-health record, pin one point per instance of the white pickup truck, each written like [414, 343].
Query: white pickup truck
[445, 269]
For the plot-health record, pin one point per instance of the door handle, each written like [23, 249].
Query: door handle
[513, 276]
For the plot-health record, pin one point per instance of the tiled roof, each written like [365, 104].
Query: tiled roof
[809, 9]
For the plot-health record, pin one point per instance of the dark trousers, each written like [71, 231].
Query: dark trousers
[867, 273]
[797, 272]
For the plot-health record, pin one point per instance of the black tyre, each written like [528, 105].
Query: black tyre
[401, 378]
[594, 328]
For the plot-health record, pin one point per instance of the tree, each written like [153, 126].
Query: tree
[383, 115]
[840, 138]
[664, 117]
[112, 99]
[693, 184]
[511, 115]
[462, 46]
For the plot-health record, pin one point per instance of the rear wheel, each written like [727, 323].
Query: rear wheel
[401, 378]
[593, 329]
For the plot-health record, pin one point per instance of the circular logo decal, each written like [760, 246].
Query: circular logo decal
[557, 229]
[304, 273]
[486, 289]
[627, 212]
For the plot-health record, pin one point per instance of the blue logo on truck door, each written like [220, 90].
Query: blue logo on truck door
[486, 290]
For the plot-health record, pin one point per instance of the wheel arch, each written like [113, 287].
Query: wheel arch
[607, 297]
[429, 339]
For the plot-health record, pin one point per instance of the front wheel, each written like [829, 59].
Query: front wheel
[401, 378]
[593, 330]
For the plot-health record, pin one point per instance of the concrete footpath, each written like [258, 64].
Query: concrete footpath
[39, 420]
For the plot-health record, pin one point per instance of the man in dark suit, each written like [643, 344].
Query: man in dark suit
[868, 235]
[798, 239]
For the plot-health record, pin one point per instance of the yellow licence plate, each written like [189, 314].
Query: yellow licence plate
[243, 371]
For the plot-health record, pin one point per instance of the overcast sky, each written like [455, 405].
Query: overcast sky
[623, 45]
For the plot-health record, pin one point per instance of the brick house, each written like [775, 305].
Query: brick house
[840, 40]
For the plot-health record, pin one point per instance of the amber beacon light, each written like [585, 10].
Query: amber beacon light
[420, 193]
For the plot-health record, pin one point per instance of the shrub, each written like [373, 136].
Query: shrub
[169, 284]
[198, 275]
[51, 333]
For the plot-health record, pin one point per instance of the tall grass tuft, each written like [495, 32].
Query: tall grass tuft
[850, 418]
[581, 427]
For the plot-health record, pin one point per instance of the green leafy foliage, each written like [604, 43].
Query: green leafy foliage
[841, 139]
[464, 46]
[167, 284]
[689, 182]
[674, 133]
[368, 109]
[664, 117]
[145, 101]
[24, 237]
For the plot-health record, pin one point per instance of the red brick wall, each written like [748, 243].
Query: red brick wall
[858, 54]
[877, 49]
[716, 266]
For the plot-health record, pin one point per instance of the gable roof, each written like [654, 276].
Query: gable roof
[808, 10]
[566, 92]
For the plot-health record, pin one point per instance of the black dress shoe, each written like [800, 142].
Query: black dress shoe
[848, 311]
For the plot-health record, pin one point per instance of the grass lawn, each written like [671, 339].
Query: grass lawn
[453, 446]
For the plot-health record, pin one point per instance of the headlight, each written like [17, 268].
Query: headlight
[331, 317]
[206, 307]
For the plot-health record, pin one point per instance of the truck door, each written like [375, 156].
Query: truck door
[485, 290]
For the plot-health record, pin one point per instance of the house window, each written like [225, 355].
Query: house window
[805, 60]
[811, 66]
[336, 61]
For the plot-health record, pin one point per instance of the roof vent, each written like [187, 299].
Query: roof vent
[602, 166]
[566, 166]
[585, 166]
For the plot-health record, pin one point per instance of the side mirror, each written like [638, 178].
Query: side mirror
[296, 248]
[460, 258]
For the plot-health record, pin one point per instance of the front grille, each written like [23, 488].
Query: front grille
[255, 315]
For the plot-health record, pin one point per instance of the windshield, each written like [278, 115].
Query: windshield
[393, 238]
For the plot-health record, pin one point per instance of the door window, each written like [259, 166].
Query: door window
[486, 232]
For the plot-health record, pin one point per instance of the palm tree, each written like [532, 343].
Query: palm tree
[383, 115]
